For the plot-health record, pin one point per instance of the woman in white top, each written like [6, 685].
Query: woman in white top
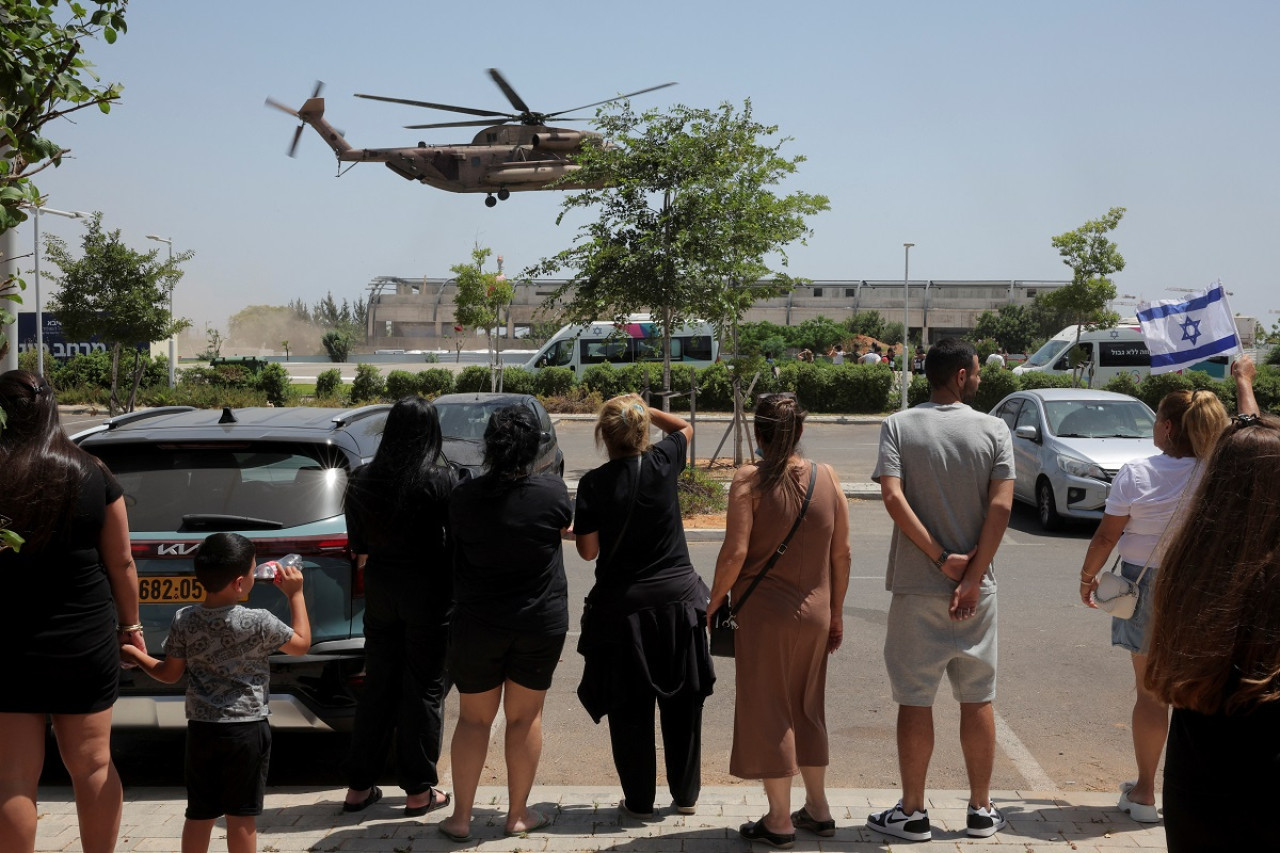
[1145, 495]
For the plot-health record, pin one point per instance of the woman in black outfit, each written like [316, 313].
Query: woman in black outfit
[511, 615]
[398, 523]
[642, 635]
[73, 595]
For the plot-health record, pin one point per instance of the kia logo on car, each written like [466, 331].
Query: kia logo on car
[176, 549]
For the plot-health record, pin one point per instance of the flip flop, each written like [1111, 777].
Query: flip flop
[458, 837]
[375, 794]
[432, 805]
[540, 821]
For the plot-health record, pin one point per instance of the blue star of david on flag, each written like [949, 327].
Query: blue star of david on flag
[1181, 333]
[1190, 330]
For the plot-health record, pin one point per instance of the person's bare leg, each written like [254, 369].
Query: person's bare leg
[915, 749]
[242, 834]
[21, 760]
[523, 709]
[1150, 730]
[196, 834]
[476, 712]
[778, 818]
[978, 742]
[815, 792]
[84, 741]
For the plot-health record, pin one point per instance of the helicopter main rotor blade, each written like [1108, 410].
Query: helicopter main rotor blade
[488, 123]
[516, 100]
[431, 106]
[609, 101]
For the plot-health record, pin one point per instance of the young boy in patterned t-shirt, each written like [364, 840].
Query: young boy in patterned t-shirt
[223, 649]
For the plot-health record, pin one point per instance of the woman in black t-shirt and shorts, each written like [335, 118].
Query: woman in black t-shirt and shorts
[511, 613]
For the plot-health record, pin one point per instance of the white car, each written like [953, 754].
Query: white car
[1069, 443]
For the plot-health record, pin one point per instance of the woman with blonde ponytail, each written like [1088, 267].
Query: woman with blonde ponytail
[790, 623]
[1142, 515]
[642, 637]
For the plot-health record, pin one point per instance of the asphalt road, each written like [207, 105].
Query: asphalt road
[1065, 694]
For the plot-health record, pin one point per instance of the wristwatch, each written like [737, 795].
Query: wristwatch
[942, 558]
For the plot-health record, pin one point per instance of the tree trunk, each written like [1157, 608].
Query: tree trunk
[666, 359]
[113, 402]
[137, 380]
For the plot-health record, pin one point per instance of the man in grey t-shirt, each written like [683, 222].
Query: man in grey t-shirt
[946, 475]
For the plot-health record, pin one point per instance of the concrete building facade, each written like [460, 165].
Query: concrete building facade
[417, 313]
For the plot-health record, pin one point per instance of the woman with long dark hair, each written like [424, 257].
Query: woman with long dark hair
[511, 616]
[1143, 501]
[790, 624]
[74, 591]
[397, 510]
[642, 635]
[1215, 647]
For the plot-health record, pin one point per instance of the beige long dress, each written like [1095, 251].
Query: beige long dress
[781, 644]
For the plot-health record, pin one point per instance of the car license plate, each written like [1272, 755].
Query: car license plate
[169, 589]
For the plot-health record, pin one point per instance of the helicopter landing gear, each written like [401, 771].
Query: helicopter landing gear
[490, 201]
[503, 194]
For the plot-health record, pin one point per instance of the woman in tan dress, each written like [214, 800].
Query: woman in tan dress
[789, 625]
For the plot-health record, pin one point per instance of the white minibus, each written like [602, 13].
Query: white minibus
[639, 339]
[1120, 350]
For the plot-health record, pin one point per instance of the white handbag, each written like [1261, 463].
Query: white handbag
[1116, 594]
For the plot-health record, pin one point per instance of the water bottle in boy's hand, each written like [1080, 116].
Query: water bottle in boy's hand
[269, 571]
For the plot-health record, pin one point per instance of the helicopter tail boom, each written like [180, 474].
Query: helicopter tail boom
[312, 112]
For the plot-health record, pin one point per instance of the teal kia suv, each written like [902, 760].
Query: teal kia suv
[277, 476]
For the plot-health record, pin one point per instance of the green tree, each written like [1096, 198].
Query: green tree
[336, 344]
[43, 77]
[868, 323]
[119, 295]
[818, 334]
[1013, 326]
[478, 302]
[1093, 259]
[686, 216]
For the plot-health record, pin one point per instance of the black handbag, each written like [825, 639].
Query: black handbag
[724, 621]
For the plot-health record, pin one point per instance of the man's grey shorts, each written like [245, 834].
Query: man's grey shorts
[923, 642]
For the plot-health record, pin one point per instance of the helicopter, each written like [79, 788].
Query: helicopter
[520, 153]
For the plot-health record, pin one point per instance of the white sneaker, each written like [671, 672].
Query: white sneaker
[896, 822]
[984, 822]
[1141, 812]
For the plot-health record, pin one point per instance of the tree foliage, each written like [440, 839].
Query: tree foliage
[119, 295]
[686, 216]
[43, 77]
[479, 299]
[1093, 259]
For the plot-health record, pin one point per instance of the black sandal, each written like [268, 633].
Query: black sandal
[803, 820]
[375, 794]
[756, 831]
[432, 804]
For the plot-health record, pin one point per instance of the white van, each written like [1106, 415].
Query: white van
[1108, 353]
[639, 339]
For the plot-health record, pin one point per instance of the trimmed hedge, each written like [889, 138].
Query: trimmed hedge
[329, 384]
[435, 381]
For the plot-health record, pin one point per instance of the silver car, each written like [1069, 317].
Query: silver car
[1068, 444]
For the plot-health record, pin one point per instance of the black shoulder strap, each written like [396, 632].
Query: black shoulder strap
[782, 549]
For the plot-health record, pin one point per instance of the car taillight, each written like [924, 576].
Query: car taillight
[357, 578]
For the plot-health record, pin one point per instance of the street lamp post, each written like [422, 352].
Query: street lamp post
[36, 211]
[172, 346]
[906, 363]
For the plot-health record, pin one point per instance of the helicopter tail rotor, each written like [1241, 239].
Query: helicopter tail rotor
[297, 133]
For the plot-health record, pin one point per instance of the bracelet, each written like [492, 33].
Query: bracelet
[1088, 581]
[942, 558]
[129, 629]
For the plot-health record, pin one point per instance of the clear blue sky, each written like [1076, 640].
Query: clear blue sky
[974, 130]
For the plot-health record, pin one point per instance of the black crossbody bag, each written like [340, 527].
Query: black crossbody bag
[724, 622]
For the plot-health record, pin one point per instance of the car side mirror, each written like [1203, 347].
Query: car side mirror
[1027, 431]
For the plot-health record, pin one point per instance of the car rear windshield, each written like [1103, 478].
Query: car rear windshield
[172, 487]
[468, 419]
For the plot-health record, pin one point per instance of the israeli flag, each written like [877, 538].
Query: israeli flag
[1182, 333]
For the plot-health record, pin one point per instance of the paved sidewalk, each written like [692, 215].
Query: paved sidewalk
[586, 818]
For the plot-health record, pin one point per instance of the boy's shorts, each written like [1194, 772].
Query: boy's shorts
[226, 768]
[482, 658]
[923, 642]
